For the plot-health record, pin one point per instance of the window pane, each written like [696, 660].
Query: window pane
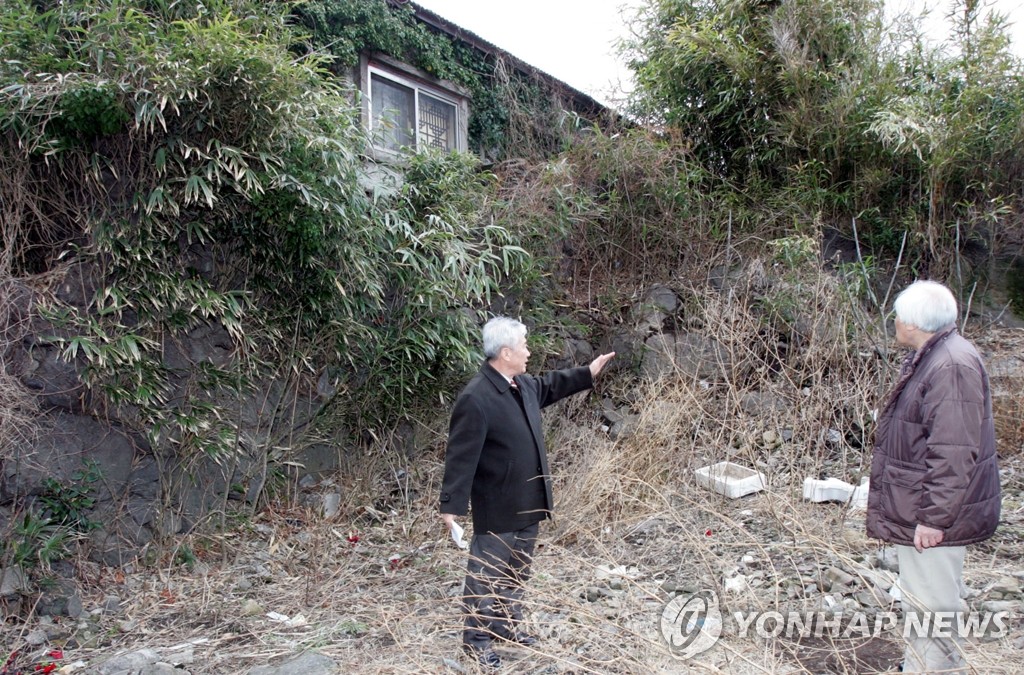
[392, 113]
[437, 123]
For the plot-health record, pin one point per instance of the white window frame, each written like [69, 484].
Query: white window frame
[407, 76]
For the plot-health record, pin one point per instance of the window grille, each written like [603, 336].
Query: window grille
[396, 103]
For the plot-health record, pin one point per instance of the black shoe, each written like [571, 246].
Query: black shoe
[524, 639]
[485, 656]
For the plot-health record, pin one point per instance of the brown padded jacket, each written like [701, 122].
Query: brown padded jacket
[934, 459]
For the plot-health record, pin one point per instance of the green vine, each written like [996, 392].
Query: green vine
[346, 28]
[218, 198]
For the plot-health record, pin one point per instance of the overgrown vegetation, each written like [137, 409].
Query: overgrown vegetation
[818, 110]
[198, 172]
[200, 179]
[511, 116]
[176, 174]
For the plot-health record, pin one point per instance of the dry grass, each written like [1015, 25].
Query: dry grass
[18, 407]
[388, 603]
[374, 616]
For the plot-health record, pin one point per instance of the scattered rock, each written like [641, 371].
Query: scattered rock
[61, 598]
[128, 625]
[251, 608]
[685, 587]
[331, 504]
[611, 571]
[131, 662]
[874, 597]
[12, 581]
[310, 663]
[835, 580]
[649, 315]
[1012, 606]
[112, 604]
[888, 559]
[1007, 586]
[756, 404]
[688, 355]
[36, 637]
[613, 415]
[624, 428]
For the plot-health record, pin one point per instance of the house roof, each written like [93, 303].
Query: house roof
[581, 101]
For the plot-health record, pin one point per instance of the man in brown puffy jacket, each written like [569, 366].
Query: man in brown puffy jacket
[934, 478]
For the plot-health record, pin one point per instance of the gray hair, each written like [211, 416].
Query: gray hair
[926, 304]
[501, 332]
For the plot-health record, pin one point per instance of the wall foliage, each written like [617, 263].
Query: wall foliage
[827, 113]
[205, 178]
[511, 115]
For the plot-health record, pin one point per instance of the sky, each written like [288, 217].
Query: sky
[573, 40]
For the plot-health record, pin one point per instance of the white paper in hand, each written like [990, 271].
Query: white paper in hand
[457, 536]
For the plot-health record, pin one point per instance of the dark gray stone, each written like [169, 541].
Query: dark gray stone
[318, 458]
[687, 355]
[12, 581]
[131, 662]
[650, 314]
[624, 428]
[626, 344]
[575, 352]
[144, 481]
[757, 404]
[662, 298]
[64, 442]
[722, 278]
[310, 663]
[42, 370]
[112, 604]
[78, 286]
[60, 598]
[111, 548]
[888, 559]
[613, 416]
[142, 511]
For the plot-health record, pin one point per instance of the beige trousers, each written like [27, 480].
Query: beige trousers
[932, 581]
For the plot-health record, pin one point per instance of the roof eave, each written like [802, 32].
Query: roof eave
[582, 100]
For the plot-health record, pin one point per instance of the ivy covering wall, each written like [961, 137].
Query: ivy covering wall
[192, 172]
[511, 113]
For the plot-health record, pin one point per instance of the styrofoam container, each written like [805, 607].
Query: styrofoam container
[828, 490]
[859, 498]
[731, 480]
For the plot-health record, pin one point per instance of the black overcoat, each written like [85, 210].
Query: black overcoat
[496, 457]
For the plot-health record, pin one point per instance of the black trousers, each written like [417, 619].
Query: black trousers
[499, 567]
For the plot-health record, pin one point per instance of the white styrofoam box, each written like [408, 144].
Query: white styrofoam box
[859, 499]
[828, 490]
[731, 480]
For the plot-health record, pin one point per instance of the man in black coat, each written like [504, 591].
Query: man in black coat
[496, 461]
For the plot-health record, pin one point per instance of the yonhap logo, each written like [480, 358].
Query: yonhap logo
[691, 625]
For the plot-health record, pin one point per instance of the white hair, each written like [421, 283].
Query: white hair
[501, 332]
[926, 304]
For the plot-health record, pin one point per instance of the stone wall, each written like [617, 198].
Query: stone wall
[69, 440]
[142, 496]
